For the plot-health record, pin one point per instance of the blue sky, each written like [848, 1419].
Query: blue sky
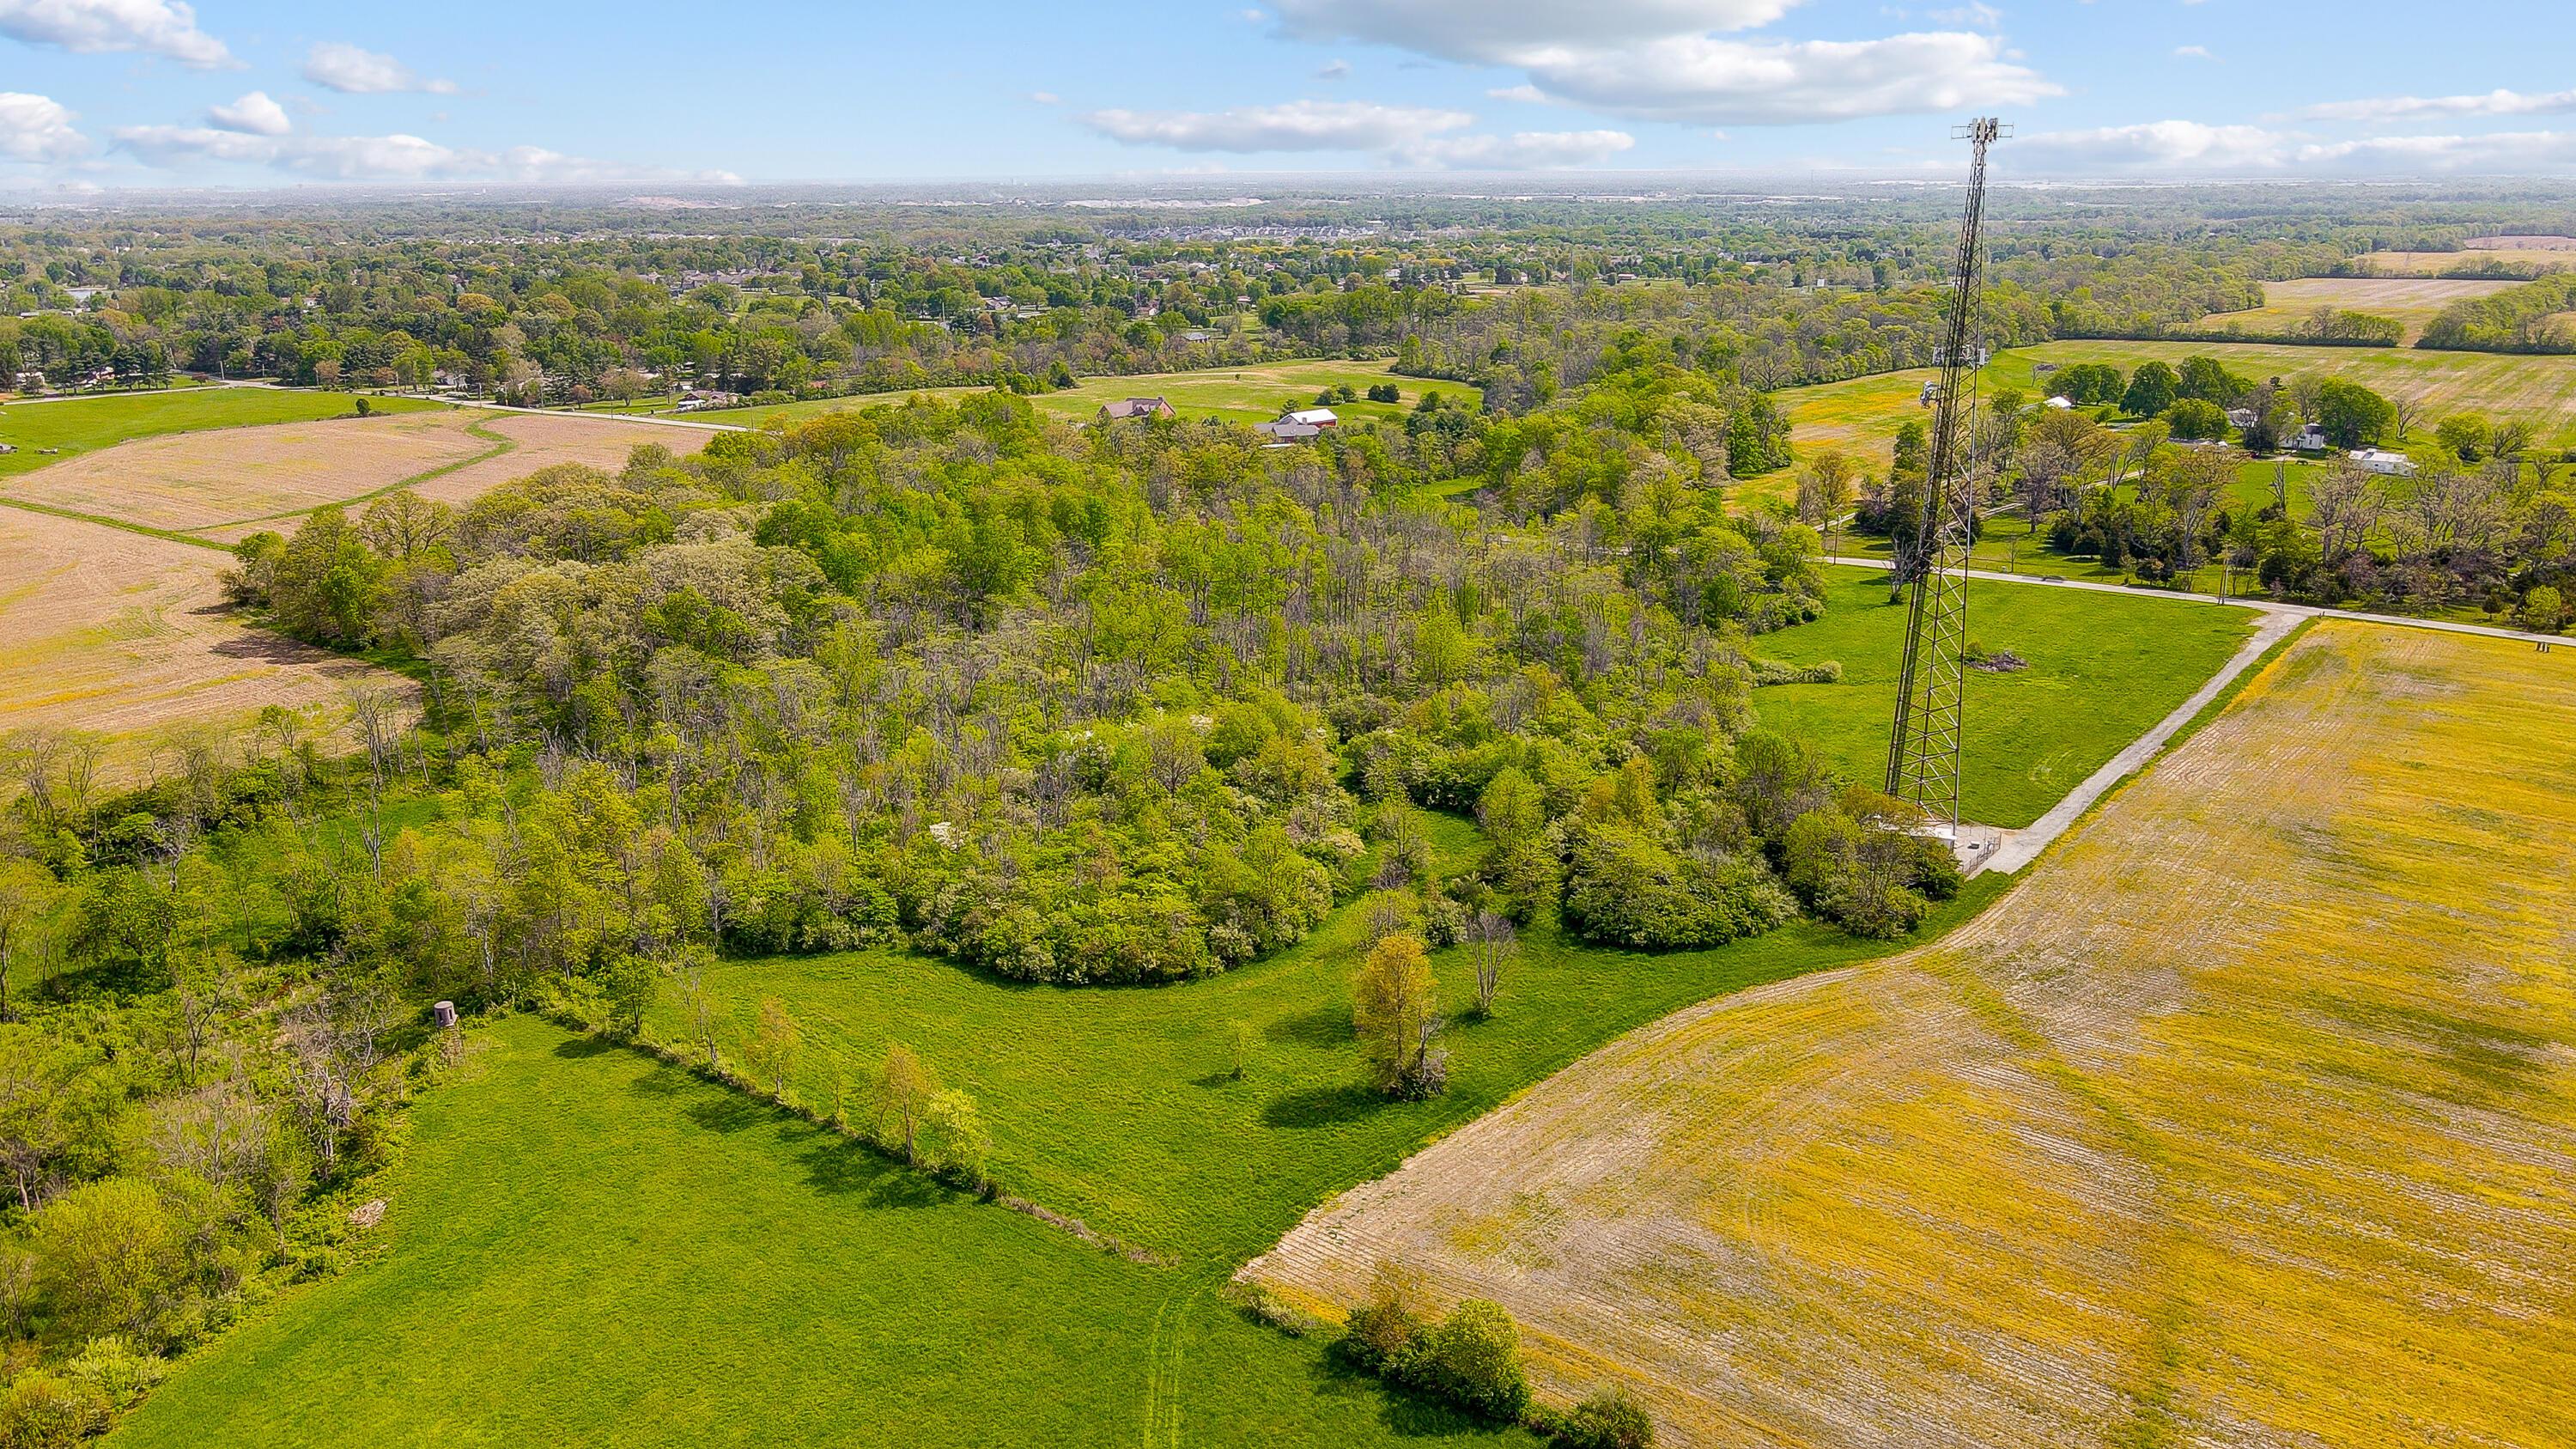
[150, 93]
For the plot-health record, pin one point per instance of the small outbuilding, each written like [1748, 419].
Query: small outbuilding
[1311, 417]
[2384, 462]
[1134, 407]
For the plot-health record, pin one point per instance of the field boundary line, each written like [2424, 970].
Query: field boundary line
[501, 443]
[147, 530]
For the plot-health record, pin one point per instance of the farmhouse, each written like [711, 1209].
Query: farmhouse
[1287, 430]
[2380, 460]
[2310, 439]
[1135, 407]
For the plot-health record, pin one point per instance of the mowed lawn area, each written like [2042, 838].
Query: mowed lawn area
[79, 425]
[1249, 394]
[2103, 668]
[585, 1246]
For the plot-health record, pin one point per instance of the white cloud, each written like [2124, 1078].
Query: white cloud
[1522, 92]
[1045, 98]
[1520, 151]
[1726, 82]
[1293, 126]
[1333, 70]
[1665, 60]
[1984, 17]
[37, 128]
[2189, 148]
[1499, 30]
[1399, 135]
[2153, 145]
[353, 71]
[254, 113]
[2493, 103]
[92, 27]
[383, 158]
[2194, 52]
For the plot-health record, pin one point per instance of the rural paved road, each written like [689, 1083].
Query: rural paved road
[2019, 848]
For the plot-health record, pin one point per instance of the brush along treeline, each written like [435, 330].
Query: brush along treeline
[1075, 707]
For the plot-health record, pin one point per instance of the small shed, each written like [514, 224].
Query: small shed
[1134, 407]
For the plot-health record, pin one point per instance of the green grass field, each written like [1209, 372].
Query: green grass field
[2102, 669]
[82, 425]
[1116, 1105]
[586, 1246]
[1247, 394]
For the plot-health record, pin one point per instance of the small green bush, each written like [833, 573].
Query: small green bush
[46, 1410]
[1472, 1358]
[1608, 1419]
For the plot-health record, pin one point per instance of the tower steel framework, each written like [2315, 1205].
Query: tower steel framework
[1923, 748]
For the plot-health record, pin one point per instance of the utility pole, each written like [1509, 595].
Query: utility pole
[1923, 746]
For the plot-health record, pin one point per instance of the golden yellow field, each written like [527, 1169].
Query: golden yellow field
[126, 637]
[2249, 1119]
[229, 482]
[2411, 300]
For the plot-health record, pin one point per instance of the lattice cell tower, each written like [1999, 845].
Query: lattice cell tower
[1923, 748]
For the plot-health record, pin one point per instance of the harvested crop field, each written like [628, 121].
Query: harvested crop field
[2410, 300]
[2520, 254]
[2249, 1119]
[126, 637]
[224, 484]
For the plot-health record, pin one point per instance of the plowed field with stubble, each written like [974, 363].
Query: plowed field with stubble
[2249, 1119]
[127, 637]
[222, 485]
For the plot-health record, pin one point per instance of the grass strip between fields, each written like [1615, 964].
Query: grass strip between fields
[501, 443]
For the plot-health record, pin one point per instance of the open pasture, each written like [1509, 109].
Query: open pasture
[223, 485]
[587, 1247]
[1248, 394]
[83, 424]
[1119, 1107]
[2249, 1118]
[2409, 300]
[1858, 416]
[127, 637]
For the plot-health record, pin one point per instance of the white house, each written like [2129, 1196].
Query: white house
[2241, 418]
[2310, 439]
[2380, 460]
